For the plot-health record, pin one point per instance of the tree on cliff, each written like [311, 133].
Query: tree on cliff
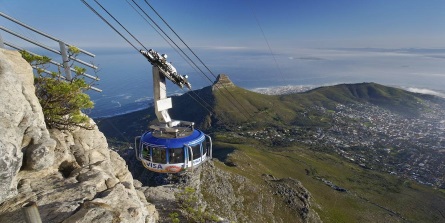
[62, 100]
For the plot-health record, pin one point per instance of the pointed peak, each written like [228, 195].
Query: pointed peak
[222, 81]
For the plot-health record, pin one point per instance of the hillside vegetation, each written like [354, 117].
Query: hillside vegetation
[251, 110]
[338, 189]
[368, 196]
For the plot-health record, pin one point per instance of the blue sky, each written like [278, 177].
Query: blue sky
[314, 42]
[287, 24]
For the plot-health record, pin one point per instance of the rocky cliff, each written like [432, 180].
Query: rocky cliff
[222, 82]
[21, 123]
[71, 175]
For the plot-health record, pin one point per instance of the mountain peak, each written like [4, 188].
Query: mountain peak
[222, 81]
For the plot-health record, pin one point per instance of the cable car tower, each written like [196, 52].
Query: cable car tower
[172, 145]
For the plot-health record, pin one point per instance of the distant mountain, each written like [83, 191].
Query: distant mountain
[394, 99]
[225, 106]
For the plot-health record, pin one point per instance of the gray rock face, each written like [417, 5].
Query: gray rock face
[240, 199]
[226, 195]
[71, 175]
[222, 82]
[21, 123]
[40, 156]
[296, 197]
[95, 187]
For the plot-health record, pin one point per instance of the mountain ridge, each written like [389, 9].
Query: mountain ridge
[220, 110]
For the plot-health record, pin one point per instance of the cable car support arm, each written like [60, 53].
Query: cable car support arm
[163, 69]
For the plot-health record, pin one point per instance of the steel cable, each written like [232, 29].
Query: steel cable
[109, 24]
[199, 59]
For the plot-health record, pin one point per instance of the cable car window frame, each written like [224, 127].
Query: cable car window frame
[154, 155]
[146, 152]
[204, 147]
[196, 149]
[181, 157]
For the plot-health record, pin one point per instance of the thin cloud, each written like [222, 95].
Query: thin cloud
[228, 48]
[425, 91]
[429, 74]
[310, 58]
[436, 56]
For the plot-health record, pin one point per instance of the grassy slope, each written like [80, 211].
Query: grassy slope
[371, 196]
[253, 108]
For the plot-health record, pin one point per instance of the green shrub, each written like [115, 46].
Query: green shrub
[191, 208]
[174, 217]
[61, 100]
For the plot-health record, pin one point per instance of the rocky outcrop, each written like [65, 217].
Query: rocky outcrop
[226, 195]
[21, 123]
[240, 199]
[294, 195]
[84, 185]
[222, 82]
[71, 175]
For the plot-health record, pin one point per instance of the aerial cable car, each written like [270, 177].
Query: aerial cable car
[171, 146]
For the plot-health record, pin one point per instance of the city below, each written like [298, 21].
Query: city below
[411, 146]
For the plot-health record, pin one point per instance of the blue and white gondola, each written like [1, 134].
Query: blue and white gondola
[172, 155]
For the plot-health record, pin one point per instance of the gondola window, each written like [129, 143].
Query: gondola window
[176, 155]
[158, 155]
[146, 152]
[196, 151]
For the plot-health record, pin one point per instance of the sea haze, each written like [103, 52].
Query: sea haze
[127, 83]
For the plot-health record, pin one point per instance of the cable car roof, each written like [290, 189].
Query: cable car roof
[195, 138]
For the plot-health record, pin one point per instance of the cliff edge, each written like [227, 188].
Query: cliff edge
[71, 175]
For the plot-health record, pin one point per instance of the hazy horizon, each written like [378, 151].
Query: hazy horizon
[126, 78]
[259, 44]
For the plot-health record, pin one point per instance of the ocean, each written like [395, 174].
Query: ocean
[126, 78]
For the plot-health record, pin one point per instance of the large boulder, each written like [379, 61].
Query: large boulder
[21, 123]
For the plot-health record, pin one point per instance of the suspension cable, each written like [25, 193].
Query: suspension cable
[204, 101]
[267, 42]
[190, 59]
[111, 26]
[185, 92]
[163, 37]
[143, 11]
[197, 66]
[199, 59]
[115, 28]
[103, 19]
[121, 25]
